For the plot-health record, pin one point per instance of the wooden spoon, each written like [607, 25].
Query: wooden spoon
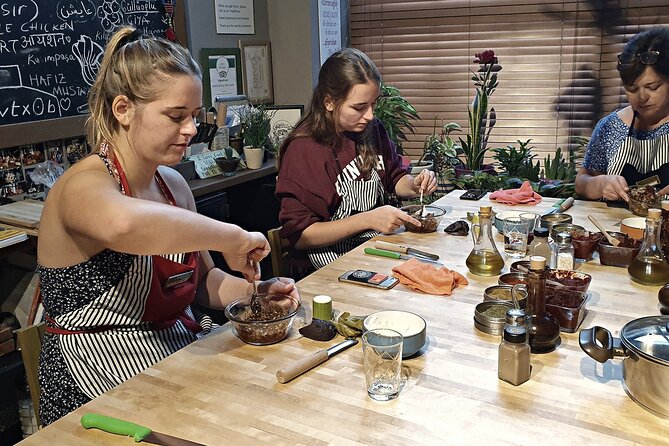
[526, 270]
[614, 241]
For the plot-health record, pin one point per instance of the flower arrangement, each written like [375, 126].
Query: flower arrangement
[255, 122]
[481, 121]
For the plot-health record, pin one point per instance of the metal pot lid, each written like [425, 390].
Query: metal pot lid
[649, 337]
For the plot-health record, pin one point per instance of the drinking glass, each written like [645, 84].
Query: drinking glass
[382, 356]
[515, 237]
[532, 220]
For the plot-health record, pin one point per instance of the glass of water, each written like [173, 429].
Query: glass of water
[382, 355]
[515, 237]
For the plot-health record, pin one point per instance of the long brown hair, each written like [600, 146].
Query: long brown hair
[136, 67]
[339, 74]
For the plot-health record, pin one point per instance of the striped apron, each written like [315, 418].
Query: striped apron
[357, 195]
[638, 159]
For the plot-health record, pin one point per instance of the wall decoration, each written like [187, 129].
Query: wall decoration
[221, 73]
[257, 60]
[234, 17]
[284, 118]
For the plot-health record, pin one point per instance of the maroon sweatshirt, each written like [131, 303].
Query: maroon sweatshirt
[306, 182]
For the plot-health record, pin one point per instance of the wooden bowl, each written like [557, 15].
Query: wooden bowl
[633, 226]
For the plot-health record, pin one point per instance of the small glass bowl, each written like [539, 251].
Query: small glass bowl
[585, 244]
[640, 206]
[273, 324]
[619, 255]
[429, 219]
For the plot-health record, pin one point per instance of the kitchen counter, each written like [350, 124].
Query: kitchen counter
[206, 186]
[219, 390]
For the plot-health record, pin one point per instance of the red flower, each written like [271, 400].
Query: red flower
[487, 57]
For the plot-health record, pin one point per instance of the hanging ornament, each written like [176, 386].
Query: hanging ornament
[168, 5]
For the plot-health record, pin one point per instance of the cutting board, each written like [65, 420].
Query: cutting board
[24, 213]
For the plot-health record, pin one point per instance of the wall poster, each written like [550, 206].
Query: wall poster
[329, 28]
[234, 16]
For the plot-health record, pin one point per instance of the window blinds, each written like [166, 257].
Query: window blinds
[558, 61]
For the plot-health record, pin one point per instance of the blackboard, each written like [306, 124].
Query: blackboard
[50, 51]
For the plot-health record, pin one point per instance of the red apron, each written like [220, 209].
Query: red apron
[173, 284]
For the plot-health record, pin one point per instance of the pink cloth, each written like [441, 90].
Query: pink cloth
[524, 195]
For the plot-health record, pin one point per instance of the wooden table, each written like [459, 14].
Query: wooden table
[221, 391]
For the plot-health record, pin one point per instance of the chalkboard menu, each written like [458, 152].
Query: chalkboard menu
[50, 51]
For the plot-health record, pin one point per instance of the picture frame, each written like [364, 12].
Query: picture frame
[221, 73]
[284, 119]
[257, 63]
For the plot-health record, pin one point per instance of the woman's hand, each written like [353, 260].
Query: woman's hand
[387, 219]
[613, 187]
[425, 180]
[280, 285]
[250, 250]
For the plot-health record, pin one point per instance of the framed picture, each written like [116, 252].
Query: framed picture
[257, 61]
[284, 118]
[221, 72]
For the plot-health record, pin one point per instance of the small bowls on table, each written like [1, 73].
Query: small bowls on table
[621, 255]
[500, 216]
[518, 264]
[490, 316]
[429, 218]
[512, 279]
[227, 165]
[271, 326]
[547, 221]
[412, 327]
[633, 226]
[568, 307]
[573, 280]
[502, 293]
[569, 228]
[585, 244]
[641, 199]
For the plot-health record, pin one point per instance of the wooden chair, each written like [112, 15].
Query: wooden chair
[279, 255]
[30, 343]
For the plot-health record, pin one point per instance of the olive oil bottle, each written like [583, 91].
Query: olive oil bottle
[650, 267]
[485, 259]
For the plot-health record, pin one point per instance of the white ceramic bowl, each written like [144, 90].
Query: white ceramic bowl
[411, 326]
[500, 216]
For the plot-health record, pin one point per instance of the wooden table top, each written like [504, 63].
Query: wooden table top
[219, 390]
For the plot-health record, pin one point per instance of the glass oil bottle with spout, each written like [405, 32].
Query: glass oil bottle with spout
[485, 259]
[543, 328]
[650, 267]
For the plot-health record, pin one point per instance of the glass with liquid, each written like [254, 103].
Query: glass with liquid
[650, 266]
[485, 259]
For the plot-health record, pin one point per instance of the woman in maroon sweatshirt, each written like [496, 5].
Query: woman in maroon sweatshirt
[337, 164]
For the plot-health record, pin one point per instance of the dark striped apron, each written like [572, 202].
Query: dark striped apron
[638, 159]
[357, 195]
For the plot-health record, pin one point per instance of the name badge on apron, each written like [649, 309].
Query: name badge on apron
[177, 279]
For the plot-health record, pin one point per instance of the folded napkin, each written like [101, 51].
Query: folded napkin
[524, 195]
[428, 278]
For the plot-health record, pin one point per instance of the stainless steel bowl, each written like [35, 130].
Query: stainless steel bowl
[547, 221]
[490, 324]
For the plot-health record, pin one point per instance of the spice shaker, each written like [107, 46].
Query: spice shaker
[563, 254]
[514, 351]
[540, 245]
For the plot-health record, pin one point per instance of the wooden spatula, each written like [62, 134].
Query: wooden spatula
[614, 241]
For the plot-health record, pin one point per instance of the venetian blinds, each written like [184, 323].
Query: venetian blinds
[558, 60]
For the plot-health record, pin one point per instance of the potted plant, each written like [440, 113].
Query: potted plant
[255, 127]
[481, 120]
[396, 114]
[518, 162]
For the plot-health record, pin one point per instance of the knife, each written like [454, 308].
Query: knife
[404, 249]
[566, 204]
[311, 361]
[397, 255]
[136, 431]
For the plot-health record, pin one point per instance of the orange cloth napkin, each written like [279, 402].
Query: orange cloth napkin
[524, 195]
[428, 278]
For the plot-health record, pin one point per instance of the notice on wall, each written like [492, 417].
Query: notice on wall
[329, 27]
[234, 16]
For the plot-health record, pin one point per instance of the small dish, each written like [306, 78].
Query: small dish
[412, 327]
[633, 226]
[429, 219]
[621, 255]
[514, 268]
[502, 293]
[569, 228]
[567, 306]
[512, 278]
[573, 280]
[273, 324]
[490, 316]
[547, 221]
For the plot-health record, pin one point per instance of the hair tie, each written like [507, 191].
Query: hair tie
[132, 37]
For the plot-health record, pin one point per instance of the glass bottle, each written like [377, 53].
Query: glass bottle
[562, 254]
[650, 266]
[664, 229]
[539, 245]
[485, 259]
[542, 328]
[513, 364]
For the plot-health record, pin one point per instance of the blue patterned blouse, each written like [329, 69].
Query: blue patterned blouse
[607, 138]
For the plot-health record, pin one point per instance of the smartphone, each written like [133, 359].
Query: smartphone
[473, 194]
[369, 278]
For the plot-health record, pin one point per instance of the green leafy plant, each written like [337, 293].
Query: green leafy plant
[560, 168]
[480, 180]
[518, 162]
[396, 114]
[440, 146]
[255, 122]
[481, 121]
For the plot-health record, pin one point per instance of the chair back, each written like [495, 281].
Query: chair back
[279, 254]
[30, 343]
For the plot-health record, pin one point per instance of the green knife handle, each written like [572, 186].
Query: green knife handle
[115, 426]
[383, 253]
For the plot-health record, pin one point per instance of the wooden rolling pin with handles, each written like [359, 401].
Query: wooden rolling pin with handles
[566, 204]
